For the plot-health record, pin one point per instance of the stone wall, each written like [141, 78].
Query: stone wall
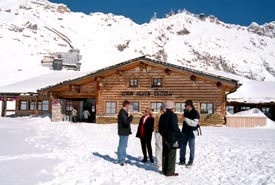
[57, 114]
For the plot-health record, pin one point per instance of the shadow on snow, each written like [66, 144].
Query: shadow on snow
[134, 161]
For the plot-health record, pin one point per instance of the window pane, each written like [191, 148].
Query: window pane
[45, 105]
[210, 108]
[245, 108]
[110, 108]
[155, 106]
[32, 105]
[69, 106]
[40, 105]
[265, 109]
[230, 109]
[133, 83]
[180, 107]
[207, 108]
[23, 105]
[134, 106]
[156, 82]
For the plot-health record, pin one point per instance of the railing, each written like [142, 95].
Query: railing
[245, 121]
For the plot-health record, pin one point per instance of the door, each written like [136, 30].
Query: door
[90, 105]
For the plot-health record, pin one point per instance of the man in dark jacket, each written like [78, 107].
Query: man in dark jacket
[124, 130]
[170, 132]
[190, 121]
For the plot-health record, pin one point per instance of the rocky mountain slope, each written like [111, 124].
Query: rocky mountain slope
[30, 30]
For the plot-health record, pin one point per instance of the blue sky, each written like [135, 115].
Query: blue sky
[241, 12]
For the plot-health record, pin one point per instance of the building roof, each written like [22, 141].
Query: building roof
[254, 92]
[58, 78]
[152, 61]
[33, 84]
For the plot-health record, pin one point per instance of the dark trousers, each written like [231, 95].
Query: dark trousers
[74, 119]
[168, 158]
[146, 145]
[190, 139]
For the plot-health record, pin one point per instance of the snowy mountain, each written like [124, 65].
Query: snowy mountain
[30, 30]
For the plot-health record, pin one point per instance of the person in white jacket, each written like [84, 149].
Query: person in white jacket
[190, 121]
[86, 115]
[74, 115]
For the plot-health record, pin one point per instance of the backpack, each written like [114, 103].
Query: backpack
[198, 129]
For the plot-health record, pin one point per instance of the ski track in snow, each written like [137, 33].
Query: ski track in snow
[86, 154]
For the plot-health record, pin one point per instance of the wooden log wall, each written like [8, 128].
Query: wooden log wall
[28, 112]
[179, 85]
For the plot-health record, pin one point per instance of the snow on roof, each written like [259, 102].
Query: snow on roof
[33, 84]
[239, 78]
[250, 91]
[254, 92]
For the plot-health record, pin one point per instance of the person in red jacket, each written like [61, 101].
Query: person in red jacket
[144, 132]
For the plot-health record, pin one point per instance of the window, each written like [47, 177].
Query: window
[265, 109]
[133, 83]
[43, 105]
[207, 108]
[155, 106]
[230, 109]
[110, 108]
[32, 105]
[23, 105]
[243, 108]
[134, 106]
[68, 106]
[157, 82]
[179, 107]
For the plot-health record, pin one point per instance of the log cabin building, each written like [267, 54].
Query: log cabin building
[145, 82]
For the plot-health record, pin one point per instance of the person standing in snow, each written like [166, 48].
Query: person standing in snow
[144, 132]
[74, 115]
[190, 121]
[124, 130]
[158, 138]
[170, 132]
[86, 115]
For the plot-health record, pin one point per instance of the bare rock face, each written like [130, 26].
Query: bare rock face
[31, 26]
[267, 29]
[63, 9]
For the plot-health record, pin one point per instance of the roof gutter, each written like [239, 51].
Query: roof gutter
[237, 85]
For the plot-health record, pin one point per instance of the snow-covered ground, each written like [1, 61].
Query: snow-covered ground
[36, 151]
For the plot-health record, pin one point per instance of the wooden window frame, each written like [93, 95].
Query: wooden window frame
[26, 105]
[133, 108]
[263, 108]
[44, 104]
[68, 106]
[135, 84]
[244, 108]
[41, 105]
[157, 107]
[156, 85]
[182, 107]
[213, 107]
[111, 112]
[227, 109]
[32, 102]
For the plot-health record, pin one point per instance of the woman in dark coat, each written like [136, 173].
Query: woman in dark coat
[144, 132]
